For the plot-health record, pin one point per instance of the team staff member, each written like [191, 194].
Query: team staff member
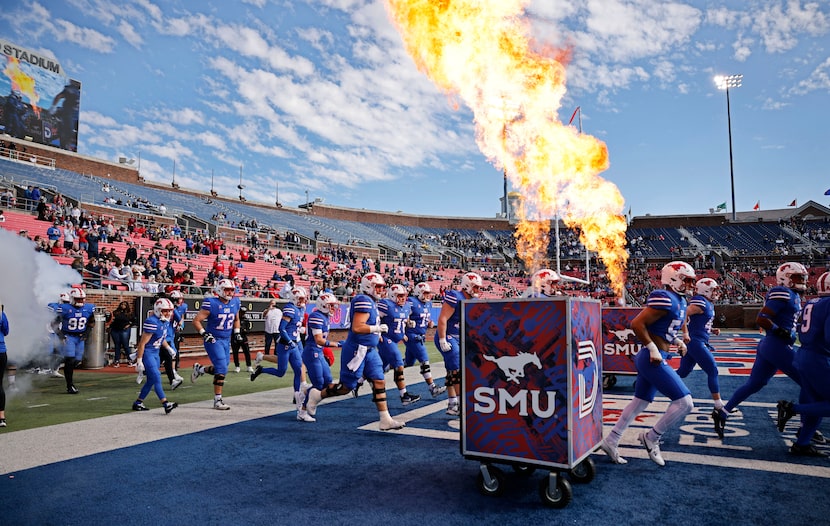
[147, 361]
[216, 321]
[659, 324]
[447, 334]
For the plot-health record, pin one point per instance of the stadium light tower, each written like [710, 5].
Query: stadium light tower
[724, 83]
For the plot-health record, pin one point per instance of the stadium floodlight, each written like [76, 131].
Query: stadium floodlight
[725, 82]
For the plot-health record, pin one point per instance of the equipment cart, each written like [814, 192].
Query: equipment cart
[619, 344]
[531, 393]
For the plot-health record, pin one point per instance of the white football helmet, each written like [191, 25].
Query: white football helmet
[545, 281]
[792, 275]
[177, 296]
[423, 291]
[163, 309]
[77, 296]
[225, 289]
[708, 288]
[65, 297]
[372, 284]
[471, 283]
[398, 294]
[298, 296]
[327, 303]
[823, 284]
[678, 275]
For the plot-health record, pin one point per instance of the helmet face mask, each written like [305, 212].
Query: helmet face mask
[177, 297]
[397, 293]
[225, 289]
[471, 283]
[373, 285]
[298, 296]
[708, 288]
[423, 291]
[77, 296]
[545, 281]
[327, 303]
[792, 275]
[679, 276]
[163, 309]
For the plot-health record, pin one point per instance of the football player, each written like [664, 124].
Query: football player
[147, 361]
[416, 330]
[394, 314]
[217, 321]
[659, 324]
[447, 334]
[316, 361]
[543, 284]
[77, 318]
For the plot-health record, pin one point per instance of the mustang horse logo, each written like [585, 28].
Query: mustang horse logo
[622, 334]
[513, 367]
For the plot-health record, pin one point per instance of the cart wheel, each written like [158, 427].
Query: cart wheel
[524, 470]
[583, 472]
[609, 381]
[557, 497]
[491, 481]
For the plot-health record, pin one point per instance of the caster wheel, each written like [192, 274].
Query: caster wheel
[524, 470]
[561, 494]
[491, 481]
[583, 472]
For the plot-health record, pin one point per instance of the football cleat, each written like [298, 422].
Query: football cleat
[806, 451]
[409, 398]
[435, 389]
[169, 406]
[258, 359]
[356, 390]
[139, 406]
[303, 416]
[785, 412]
[719, 417]
[196, 372]
[653, 449]
[72, 389]
[314, 397]
[612, 452]
[818, 438]
[454, 409]
[257, 372]
[176, 383]
[2, 422]
[388, 425]
[220, 405]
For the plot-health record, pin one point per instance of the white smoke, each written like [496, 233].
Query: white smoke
[29, 281]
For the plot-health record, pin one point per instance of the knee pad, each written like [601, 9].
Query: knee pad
[425, 368]
[219, 379]
[398, 375]
[378, 394]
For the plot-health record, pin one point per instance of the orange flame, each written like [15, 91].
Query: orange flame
[480, 50]
[23, 83]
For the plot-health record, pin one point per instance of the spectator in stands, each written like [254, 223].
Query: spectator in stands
[54, 233]
[92, 239]
[94, 270]
[69, 236]
[135, 282]
[7, 198]
[131, 255]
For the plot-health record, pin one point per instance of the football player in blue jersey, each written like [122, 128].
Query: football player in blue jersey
[217, 321]
[316, 363]
[359, 357]
[660, 324]
[56, 337]
[775, 351]
[147, 361]
[700, 314]
[289, 348]
[813, 364]
[416, 334]
[394, 313]
[4, 360]
[169, 354]
[77, 318]
[447, 336]
[543, 284]
[177, 324]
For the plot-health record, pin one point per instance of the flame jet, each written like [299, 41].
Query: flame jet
[480, 51]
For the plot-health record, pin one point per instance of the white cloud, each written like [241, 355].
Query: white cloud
[129, 34]
[818, 80]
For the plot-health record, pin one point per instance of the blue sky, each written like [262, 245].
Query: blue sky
[321, 97]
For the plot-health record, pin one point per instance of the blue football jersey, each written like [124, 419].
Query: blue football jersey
[74, 319]
[394, 317]
[786, 306]
[363, 304]
[667, 327]
[419, 313]
[814, 326]
[453, 298]
[316, 321]
[700, 325]
[292, 320]
[222, 315]
[158, 330]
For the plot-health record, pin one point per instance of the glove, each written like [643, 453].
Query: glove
[410, 323]
[139, 367]
[172, 352]
[681, 346]
[208, 337]
[784, 334]
[301, 330]
[329, 355]
[444, 345]
[237, 337]
[654, 354]
[379, 328]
